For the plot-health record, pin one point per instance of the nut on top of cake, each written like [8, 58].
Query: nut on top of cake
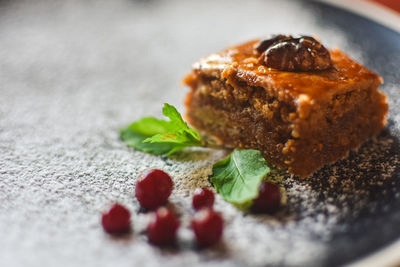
[300, 104]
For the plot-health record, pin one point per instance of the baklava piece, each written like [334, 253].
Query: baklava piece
[300, 104]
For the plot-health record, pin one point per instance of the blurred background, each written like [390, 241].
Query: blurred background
[392, 4]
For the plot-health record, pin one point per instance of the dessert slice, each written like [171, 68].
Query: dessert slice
[301, 105]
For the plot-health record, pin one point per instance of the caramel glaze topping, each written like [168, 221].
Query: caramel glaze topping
[241, 63]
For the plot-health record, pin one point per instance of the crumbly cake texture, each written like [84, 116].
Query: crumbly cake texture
[299, 120]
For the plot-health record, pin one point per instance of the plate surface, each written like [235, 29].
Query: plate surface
[74, 72]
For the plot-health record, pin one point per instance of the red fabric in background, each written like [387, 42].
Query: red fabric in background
[393, 4]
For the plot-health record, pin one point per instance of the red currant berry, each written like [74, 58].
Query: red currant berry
[269, 198]
[207, 226]
[117, 220]
[162, 229]
[153, 188]
[203, 198]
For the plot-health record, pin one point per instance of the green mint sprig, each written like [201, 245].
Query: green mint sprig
[161, 137]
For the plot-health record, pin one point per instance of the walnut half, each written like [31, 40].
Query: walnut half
[285, 52]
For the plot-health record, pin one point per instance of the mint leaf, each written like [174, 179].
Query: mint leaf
[161, 137]
[179, 132]
[135, 140]
[238, 177]
[151, 126]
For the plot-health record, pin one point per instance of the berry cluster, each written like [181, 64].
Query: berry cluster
[153, 189]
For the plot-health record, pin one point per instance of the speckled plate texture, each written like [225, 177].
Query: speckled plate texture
[72, 73]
